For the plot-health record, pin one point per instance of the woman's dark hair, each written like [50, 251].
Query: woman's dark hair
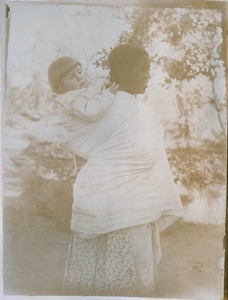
[123, 56]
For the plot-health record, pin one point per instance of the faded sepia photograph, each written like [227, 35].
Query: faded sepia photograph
[114, 148]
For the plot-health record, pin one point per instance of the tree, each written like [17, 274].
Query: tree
[186, 44]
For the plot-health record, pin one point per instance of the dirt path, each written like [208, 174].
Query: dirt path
[35, 249]
[191, 266]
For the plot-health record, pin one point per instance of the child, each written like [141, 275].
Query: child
[77, 94]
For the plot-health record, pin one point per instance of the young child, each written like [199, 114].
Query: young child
[77, 94]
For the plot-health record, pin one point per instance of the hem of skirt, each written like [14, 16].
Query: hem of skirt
[91, 226]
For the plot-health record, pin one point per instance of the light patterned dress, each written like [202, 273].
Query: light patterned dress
[120, 263]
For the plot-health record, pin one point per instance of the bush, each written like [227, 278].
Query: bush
[48, 175]
[199, 168]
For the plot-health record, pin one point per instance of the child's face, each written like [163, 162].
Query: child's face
[75, 79]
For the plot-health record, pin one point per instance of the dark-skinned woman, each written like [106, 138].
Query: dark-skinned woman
[125, 194]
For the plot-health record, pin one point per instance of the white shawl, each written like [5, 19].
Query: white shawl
[127, 179]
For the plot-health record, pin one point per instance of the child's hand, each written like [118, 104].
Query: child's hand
[68, 105]
[113, 88]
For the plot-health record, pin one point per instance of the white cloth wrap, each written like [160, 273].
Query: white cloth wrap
[127, 179]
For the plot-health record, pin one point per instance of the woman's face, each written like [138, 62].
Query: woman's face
[135, 77]
[75, 79]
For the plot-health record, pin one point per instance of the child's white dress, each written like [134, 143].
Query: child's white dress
[123, 196]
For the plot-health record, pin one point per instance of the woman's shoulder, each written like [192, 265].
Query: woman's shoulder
[125, 95]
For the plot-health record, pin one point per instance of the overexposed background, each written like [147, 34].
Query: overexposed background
[187, 90]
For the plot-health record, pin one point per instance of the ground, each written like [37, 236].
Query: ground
[35, 249]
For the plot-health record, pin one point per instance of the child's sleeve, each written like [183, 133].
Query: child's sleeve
[88, 108]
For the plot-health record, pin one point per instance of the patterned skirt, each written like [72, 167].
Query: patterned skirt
[119, 263]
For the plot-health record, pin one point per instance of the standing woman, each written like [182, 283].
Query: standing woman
[125, 194]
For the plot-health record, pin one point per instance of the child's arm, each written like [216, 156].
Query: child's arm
[93, 108]
[87, 107]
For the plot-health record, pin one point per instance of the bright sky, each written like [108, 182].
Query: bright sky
[39, 31]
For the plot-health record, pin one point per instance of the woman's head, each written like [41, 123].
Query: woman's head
[65, 74]
[129, 68]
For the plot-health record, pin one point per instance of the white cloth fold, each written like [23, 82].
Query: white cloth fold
[146, 247]
[127, 179]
